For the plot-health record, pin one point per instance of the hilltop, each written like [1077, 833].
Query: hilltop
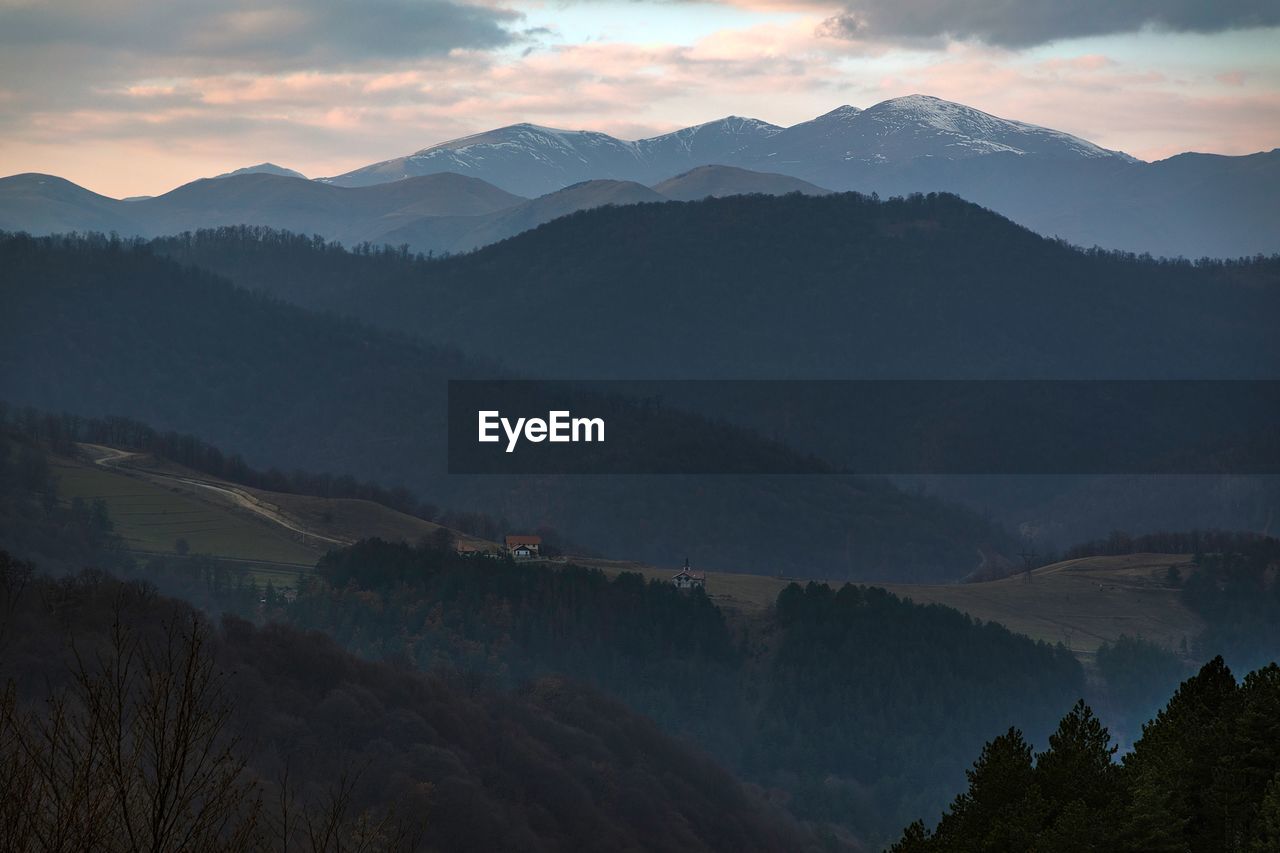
[436, 213]
[839, 287]
[289, 388]
[792, 287]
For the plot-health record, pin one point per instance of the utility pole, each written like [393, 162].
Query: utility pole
[1028, 563]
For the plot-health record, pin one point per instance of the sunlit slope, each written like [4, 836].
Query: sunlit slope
[1080, 603]
[154, 503]
[152, 517]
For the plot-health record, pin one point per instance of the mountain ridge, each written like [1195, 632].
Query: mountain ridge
[443, 212]
[297, 389]
[1055, 183]
[547, 154]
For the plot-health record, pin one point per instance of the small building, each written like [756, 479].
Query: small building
[687, 578]
[524, 547]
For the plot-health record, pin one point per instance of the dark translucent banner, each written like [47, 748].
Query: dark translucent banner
[864, 427]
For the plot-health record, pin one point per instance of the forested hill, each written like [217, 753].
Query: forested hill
[838, 286]
[97, 327]
[1205, 776]
[855, 709]
[790, 287]
[338, 752]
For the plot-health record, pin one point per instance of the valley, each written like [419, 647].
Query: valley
[1080, 603]
[468, 426]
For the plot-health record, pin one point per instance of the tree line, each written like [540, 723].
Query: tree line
[1196, 542]
[851, 705]
[1237, 593]
[1204, 776]
[128, 722]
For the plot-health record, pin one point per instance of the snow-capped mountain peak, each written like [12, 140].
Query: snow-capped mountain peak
[522, 134]
[531, 159]
[710, 142]
[923, 125]
[841, 113]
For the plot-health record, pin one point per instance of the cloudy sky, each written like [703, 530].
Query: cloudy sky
[138, 96]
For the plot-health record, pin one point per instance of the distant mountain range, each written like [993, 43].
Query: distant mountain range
[1052, 182]
[42, 204]
[530, 159]
[533, 160]
[1190, 205]
[440, 212]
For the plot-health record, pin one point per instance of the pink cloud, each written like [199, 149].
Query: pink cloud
[1087, 62]
[147, 135]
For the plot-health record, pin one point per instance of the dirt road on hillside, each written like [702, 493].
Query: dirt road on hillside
[111, 457]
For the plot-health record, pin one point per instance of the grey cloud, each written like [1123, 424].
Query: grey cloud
[220, 36]
[1030, 22]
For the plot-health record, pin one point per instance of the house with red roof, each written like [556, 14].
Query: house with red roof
[524, 547]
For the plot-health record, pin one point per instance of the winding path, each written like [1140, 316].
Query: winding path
[114, 458]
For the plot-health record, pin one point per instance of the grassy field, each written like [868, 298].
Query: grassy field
[343, 518]
[152, 517]
[154, 503]
[1079, 603]
[333, 521]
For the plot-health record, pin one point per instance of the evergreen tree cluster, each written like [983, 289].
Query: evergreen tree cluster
[34, 518]
[1237, 593]
[854, 707]
[1138, 675]
[1204, 777]
[1167, 542]
[839, 286]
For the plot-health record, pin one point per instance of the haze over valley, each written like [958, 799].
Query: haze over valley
[927, 490]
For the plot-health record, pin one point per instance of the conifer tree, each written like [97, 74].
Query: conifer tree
[1172, 767]
[1002, 809]
[1266, 828]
